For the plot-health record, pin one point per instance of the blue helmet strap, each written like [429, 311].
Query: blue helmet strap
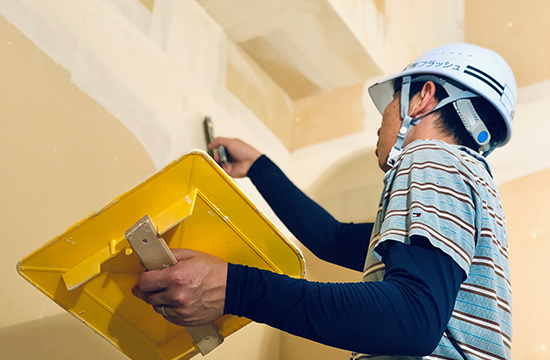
[463, 106]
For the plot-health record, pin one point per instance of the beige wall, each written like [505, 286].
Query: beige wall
[65, 156]
[96, 95]
[518, 30]
[526, 203]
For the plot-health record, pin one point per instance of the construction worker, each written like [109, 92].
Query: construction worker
[436, 281]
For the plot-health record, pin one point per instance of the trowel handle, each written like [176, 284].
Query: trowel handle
[155, 255]
[209, 134]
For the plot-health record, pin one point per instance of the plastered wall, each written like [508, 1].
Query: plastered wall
[63, 156]
[70, 74]
[97, 95]
[526, 201]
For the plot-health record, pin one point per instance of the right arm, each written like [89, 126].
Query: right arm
[406, 314]
[344, 244]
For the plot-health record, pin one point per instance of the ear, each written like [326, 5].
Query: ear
[424, 101]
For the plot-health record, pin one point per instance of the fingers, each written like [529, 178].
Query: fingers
[161, 309]
[137, 292]
[158, 280]
[154, 280]
[158, 298]
[190, 292]
[227, 167]
[184, 254]
[218, 142]
[238, 149]
[158, 286]
[240, 155]
[151, 298]
[173, 315]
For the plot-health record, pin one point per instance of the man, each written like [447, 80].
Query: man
[436, 282]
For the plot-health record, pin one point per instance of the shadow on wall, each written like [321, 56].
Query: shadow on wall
[350, 190]
[53, 338]
[64, 337]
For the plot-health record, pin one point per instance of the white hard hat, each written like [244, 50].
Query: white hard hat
[477, 71]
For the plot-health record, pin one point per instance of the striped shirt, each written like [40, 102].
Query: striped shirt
[446, 194]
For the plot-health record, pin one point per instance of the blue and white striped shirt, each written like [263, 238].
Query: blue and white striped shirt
[446, 194]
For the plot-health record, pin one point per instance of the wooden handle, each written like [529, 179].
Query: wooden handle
[155, 255]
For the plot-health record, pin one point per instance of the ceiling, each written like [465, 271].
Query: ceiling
[518, 30]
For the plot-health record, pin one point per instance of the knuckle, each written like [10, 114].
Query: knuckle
[184, 313]
[182, 279]
[143, 283]
[181, 300]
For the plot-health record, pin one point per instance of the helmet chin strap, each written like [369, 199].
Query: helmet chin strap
[407, 122]
[467, 115]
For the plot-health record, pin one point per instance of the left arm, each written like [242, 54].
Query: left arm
[343, 244]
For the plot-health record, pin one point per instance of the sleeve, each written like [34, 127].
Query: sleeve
[344, 244]
[431, 197]
[406, 314]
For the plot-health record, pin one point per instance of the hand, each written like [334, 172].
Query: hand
[241, 156]
[192, 292]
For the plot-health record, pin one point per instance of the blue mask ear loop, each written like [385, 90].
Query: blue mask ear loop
[406, 125]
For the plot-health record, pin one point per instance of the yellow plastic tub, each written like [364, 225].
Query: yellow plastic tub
[90, 269]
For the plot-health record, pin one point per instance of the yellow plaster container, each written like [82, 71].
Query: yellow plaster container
[90, 269]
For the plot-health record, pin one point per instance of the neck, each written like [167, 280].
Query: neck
[428, 128]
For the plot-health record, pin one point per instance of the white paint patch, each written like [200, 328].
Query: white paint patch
[159, 74]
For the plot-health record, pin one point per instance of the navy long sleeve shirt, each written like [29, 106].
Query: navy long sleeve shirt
[406, 314]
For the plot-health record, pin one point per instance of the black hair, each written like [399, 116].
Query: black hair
[451, 123]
